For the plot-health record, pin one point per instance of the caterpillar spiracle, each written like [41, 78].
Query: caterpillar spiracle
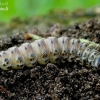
[52, 50]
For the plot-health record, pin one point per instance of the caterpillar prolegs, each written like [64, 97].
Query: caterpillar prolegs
[52, 50]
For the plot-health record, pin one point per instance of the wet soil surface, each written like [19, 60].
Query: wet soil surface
[68, 81]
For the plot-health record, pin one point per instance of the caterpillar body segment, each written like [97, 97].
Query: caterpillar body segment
[80, 53]
[52, 50]
[85, 55]
[5, 61]
[92, 57]
[64, 48]
[74, 44]
[28, 53]
[81, 48]
[96, 61]
[15, 58]
[41, 51]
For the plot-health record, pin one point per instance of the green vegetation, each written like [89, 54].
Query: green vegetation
[26, 8]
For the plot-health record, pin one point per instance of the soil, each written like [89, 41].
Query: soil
[68, 81]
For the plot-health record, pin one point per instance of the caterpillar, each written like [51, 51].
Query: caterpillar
[52, 50]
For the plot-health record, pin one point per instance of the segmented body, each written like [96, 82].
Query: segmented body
[52, 50]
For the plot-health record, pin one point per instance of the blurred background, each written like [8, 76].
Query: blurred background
[19, 16]
[26, 8]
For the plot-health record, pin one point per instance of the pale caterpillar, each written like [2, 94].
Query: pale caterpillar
[52, 50]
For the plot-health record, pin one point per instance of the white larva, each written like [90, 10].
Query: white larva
[92, 56]
[97, 61]
[28, 54]
[74, 44]
[85, 55]
[41, 51]
[52, 50]
[5, 61]
[16, 58]
[64, 48]
[80, 51]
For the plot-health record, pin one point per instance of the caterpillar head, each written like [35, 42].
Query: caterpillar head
[54, 50]
[16, 58]
[5, 62]
[64, 47]
[41, 51]
[74, 43]
[28, 54]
